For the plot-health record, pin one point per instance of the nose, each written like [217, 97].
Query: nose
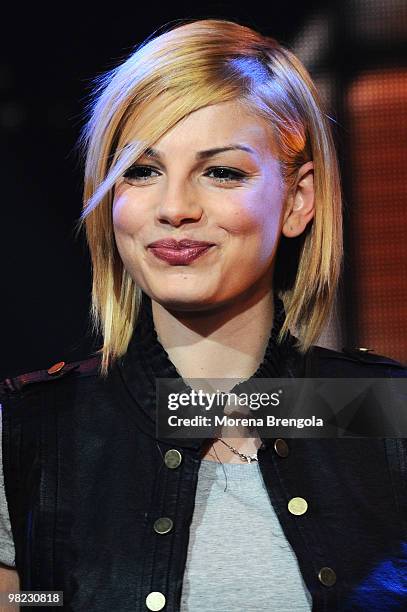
[178, 204]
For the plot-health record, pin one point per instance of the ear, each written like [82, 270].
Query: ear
[300, 205]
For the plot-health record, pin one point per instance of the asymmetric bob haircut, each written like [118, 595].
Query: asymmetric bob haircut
[187, 67]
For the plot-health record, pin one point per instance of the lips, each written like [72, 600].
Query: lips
[180, 252]
[171, 243]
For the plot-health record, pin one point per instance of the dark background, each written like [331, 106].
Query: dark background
[356, 52]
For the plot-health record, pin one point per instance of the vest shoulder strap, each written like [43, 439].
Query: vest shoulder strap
[84, 367]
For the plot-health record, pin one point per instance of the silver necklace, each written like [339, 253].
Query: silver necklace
[248, 458]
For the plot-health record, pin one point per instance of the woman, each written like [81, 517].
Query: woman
[213, 217]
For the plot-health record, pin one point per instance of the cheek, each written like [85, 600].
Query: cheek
[257, 215]
[123, 215]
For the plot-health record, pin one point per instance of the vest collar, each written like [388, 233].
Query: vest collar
[146, 360]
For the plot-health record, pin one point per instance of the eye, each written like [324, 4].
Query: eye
[225, 175]
[140, 173]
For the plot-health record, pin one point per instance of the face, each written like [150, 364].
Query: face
[211, 178]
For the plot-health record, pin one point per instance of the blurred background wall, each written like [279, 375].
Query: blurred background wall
[355, 50]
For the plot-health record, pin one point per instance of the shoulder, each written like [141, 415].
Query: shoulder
[352, 361]
[44, 377]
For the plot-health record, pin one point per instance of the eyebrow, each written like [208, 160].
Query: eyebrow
[154, 154]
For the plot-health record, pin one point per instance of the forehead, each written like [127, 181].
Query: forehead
[218, 125]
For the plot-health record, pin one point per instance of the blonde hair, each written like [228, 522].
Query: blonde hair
[187, 67]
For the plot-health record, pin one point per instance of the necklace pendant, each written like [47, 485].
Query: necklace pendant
[252, 458]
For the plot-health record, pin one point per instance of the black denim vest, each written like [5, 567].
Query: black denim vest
[87, 478]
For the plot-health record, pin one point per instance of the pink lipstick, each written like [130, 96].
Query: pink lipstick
[179, 253]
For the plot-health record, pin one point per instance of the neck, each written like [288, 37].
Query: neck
[223, 342]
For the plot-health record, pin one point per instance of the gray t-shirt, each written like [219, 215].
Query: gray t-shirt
[238, 556]
[7, 553]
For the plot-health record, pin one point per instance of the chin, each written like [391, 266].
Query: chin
[184, 300]
[184, 305]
